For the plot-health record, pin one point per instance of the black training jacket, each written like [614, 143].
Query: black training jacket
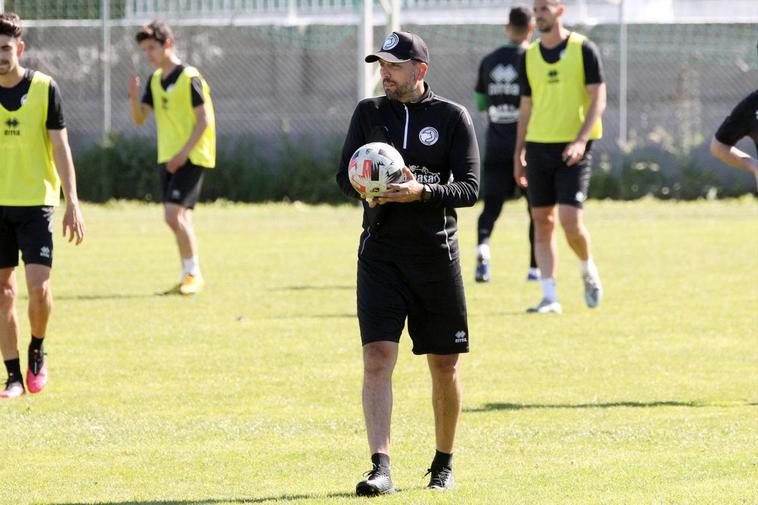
[437, 140]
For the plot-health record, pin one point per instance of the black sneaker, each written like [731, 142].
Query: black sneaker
[378, 481]
[442, 478]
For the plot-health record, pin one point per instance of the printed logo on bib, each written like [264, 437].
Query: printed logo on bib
[429, 136]
[391, 41]
[23, 99]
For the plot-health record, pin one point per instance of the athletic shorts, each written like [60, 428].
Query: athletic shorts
[497, 180]
[429, 293]
[29, 230]
[183, 186]
[551, 181]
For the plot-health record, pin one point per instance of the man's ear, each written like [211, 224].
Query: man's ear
[423, 68]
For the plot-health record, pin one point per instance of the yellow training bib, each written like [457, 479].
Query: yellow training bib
[27, 168]
[175, 118]
[559, 95]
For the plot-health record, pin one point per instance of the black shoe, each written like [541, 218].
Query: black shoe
[378, 481]
[442, 478]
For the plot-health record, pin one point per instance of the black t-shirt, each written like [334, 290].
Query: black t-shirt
[499, 81]
[12, 99]
[196, 91]
[741, 122]
[593, 67]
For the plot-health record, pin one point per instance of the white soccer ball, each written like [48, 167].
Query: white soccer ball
[373, 167]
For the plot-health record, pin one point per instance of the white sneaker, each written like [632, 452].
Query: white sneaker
[593, 290]
[546, 307]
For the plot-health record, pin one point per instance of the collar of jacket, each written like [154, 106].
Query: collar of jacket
[425, 99]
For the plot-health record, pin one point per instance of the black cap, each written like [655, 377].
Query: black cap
[399, 47]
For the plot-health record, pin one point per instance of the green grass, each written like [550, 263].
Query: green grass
[250, 392]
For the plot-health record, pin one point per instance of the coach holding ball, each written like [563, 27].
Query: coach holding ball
[408, 264]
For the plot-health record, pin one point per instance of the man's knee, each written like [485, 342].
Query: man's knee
[39, 290]
[378, 358]
[544, 223]
[7, 296]
[444, 365]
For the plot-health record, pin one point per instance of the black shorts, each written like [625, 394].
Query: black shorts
[29, 230]
[183, 186]
[551, 181]
[429, 293]
[497, 179]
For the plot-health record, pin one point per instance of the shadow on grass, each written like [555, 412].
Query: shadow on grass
[306, 287]
[212, 501]
[105, 297]
[488, 407]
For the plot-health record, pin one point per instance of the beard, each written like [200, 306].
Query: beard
[544, 25]
[400, 91]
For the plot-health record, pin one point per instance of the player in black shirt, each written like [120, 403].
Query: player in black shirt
[497, 92]
[408, 264]
[742, 122]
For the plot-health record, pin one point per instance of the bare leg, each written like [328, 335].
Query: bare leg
[179, 219]
[577, 235]
[40, 298]
[545, 246]
[447, 398]
[9, 331]
[379, 360]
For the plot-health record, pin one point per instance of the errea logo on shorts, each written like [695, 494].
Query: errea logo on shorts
[391, 41]
[45, 252]
[460, 337]
[176, 194]
[429, 136]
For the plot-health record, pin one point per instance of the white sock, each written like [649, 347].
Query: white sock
[483, 251]
[191, 266]
[588, 267]
[548, 289]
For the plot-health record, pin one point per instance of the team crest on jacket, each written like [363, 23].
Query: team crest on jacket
[391, 41]
[429, 136]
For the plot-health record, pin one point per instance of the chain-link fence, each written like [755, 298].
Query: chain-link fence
[270, 80]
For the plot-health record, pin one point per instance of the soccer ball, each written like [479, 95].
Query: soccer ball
[373, 167]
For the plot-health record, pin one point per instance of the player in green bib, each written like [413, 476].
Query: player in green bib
[35, 164]
[184, 118]
[562, 99]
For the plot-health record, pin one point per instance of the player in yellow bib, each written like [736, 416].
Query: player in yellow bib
[562, 99]
[35, 163]
[184, 118]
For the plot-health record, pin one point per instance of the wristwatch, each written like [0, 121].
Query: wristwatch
[426, 193]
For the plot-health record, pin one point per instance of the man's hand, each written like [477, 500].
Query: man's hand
[177, 162]
[519, 169]
[408, 191]
[73, 223]
[574, 152]
[134, 85]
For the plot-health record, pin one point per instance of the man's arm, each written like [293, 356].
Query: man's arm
[201, 123]
[140, 110]
[353, 140]
[464, 165]
[73, 222]
[574, 151]
[734, 157]
[519, 154]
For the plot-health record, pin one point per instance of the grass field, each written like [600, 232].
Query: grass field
[250, 391]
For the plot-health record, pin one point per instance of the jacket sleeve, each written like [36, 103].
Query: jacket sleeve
[354, 139]
[464, 164]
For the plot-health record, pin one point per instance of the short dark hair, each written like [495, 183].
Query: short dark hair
[10, 25]
[520, 17]
[157, 31]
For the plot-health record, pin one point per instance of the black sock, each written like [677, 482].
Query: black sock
[36, 343]
[442, 459]
[14, 370]
[380, 459]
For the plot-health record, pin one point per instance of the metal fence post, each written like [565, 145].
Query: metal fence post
[623, 138]
[365, 45]
[105, 14]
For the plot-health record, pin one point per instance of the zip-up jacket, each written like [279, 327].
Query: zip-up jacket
[437, 140]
